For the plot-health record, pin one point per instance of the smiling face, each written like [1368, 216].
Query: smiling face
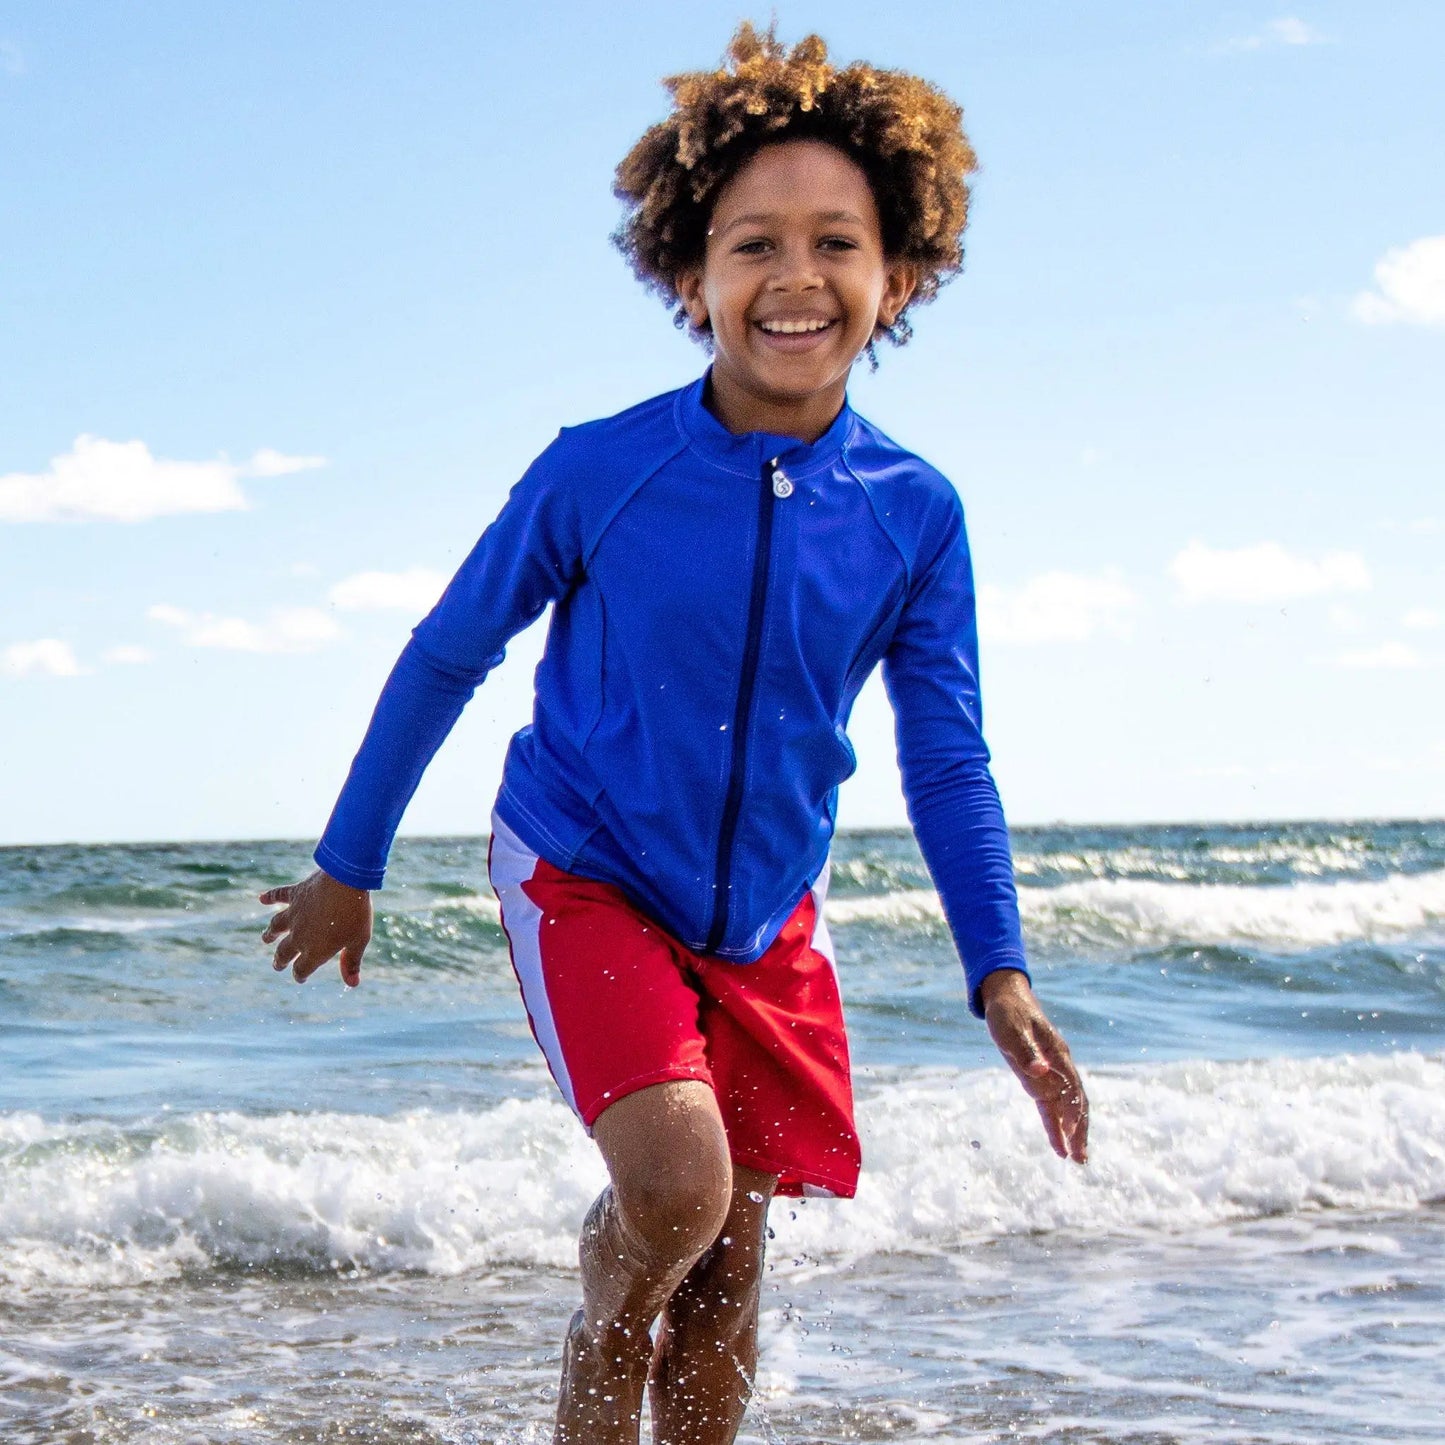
[793, 285]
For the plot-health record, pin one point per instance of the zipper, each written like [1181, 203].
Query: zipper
[774, 485]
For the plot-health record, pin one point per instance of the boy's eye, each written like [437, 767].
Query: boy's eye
[759, 244]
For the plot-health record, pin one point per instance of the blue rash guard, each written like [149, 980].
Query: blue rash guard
[718, 601]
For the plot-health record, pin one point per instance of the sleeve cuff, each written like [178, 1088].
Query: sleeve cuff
[347, 873]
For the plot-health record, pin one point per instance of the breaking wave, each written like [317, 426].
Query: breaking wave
[949, 1155]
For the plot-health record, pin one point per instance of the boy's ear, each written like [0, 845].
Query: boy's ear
[899, 283]
[689, 292]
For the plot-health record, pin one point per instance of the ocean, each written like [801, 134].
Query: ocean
[235, 1210]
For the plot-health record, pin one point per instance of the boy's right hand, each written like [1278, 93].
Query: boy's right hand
[321, 919]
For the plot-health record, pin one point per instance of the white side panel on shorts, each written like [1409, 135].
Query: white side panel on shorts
[817, 1191]
[512, 864]
[822, 939]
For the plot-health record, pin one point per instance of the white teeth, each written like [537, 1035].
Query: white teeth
[793, 328]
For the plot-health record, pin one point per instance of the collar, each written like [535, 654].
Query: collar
[743, 453]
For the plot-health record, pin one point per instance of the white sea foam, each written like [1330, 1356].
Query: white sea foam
[1303, 856]
[904, 905]
[1175, 1146]
[949, 1155]
[1301, 915]
[440, 1192]
[14, 927]
[484, 905]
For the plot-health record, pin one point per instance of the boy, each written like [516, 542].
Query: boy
[727, 564]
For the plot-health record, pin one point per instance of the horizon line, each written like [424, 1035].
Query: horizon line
[1355, 819]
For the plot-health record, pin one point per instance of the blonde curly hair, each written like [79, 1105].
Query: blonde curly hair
[905, 135]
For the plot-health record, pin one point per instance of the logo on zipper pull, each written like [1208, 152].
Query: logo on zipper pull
[782, 487]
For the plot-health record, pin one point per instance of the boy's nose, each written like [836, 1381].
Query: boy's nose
[794, 269]
[795, 278]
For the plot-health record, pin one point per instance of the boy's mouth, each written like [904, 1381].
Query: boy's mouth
[795, 334]
[800, 326]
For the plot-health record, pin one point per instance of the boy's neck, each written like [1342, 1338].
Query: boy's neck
[740, 411]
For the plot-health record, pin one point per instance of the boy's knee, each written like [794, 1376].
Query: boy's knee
[675, 1209]
[667, 1152]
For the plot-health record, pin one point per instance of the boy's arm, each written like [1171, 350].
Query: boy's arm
[931, 673]
[527, 558]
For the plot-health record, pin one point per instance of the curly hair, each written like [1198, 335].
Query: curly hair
[903, 133]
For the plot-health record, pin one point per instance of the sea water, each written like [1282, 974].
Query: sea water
[234, 1210]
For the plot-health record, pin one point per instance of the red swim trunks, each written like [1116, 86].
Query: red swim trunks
[616, 1004]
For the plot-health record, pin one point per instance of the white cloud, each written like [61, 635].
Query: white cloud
[414, 590]
[1346, 619]
[287, 629]
[1389, 655]
[1263, 573]
[1423, 618]
[1290, 30]
[46, 655]
[268, 463]
[1411, 286]
[127, 656]
[1287, 30]
[1055, 607]
[100, 480]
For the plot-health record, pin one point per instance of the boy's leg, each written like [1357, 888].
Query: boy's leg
[707, 1344]
[671, 1188]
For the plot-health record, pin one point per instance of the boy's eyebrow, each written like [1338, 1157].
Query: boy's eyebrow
[755, 217]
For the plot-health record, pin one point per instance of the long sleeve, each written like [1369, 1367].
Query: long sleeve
[527, 558]
[931, 673]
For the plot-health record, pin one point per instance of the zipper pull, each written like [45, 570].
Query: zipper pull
[782, 486]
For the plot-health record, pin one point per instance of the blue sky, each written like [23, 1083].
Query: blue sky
[289, 296]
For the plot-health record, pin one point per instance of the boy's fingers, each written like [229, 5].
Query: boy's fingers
[1046, 1070]
[1079, 1134]
[1072, 1109]
[277, 895]
[280, 923]
[288, 950]
[351, 966]
[1054, 1129]
[304, 967]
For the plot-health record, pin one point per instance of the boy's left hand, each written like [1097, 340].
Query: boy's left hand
[1038, 1055]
